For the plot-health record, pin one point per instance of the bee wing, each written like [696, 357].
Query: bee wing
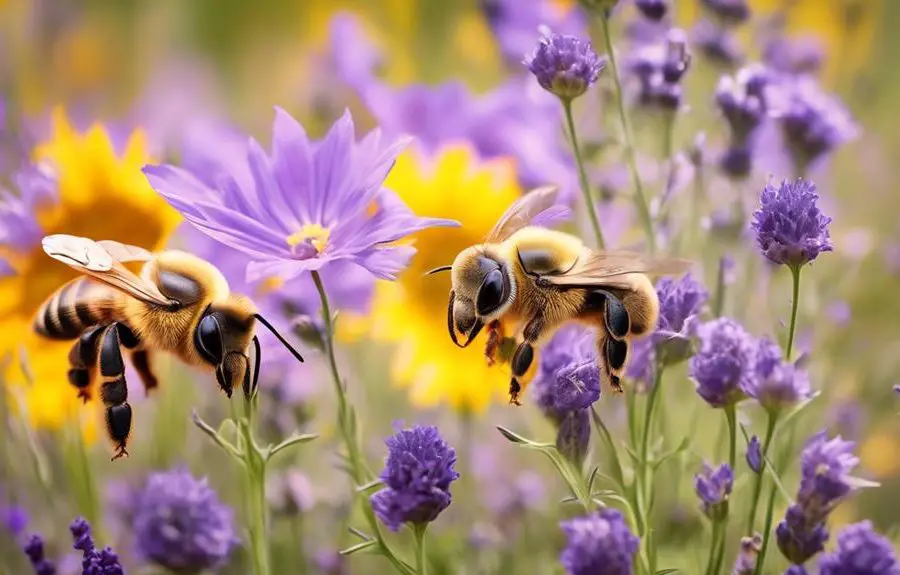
[603, 267]
[100, 261]
[522, 212]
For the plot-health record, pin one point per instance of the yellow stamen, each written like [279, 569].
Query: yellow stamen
[314, 234]
[269, 285]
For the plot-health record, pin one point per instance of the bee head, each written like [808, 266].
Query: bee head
[482, 289]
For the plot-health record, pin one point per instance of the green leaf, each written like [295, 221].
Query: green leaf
[214, 435]
[294, 439]
[370, 485]
[359, 547]
[360, 534]
[682, 447]
[513, 437]
[613, 455]
[592, 479]
[666, 571]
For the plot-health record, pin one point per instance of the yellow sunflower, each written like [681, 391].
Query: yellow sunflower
[411, 312]
[99, 192]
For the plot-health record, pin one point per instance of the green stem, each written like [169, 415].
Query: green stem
[646, 472]
[421, 564]
[347, 425]
[713, 548]
[731, 417]
[795, 276]
[757, 482]
[761, 559]
[255, 466]
[630, 157]
[582, 176]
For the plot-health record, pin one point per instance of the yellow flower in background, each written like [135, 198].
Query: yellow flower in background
[94, 191]
[411, 312]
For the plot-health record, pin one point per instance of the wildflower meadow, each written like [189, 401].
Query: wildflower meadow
[226, 344]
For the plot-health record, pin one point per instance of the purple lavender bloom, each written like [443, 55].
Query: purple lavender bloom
[796, 570]
[754, 455]
[306, 206]
[798, 539]
[14, 518]
[599, 544]
[180, 524]
[654, 10]
[517, 24]
[741, 98]
[745, 563]
[784, 387]
[574, 435]
[794, 55]
[568, 378]
[728, 12]
[94, 561]
[658, 69]
[813, 122]
[417, 473]
[860, 551]
[713, 487]
[565, 65]
[82, 540]
[680, 303]
[790, 229]
[716, 43]
[723, 367]
[825, 466]
[34, 549]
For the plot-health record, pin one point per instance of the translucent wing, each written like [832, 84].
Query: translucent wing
[100, 260]
[522, 212]
[603, 268]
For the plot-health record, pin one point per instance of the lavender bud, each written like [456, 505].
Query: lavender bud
[574, 435]
[745, 564]
[729, 12]
[565, 65]
[860, 550]
[754, 455]
[713, 487]
[717, 44]
[798, 539]
[654, 10]
[34, 549]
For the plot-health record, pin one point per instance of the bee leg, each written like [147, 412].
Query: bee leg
[82, 358]
[618, 324]
[612, 354]
[523, 357]
[114, 390]
[140, 357]
[495, 336]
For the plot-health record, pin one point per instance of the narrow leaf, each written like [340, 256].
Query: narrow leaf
[359, 547]
[360, 534]
[666, 571]
[592, 478]
[513, 437]
[213, 434]
[370, 485]
[295, 439]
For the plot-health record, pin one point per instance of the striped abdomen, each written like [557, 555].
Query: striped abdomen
[76, 306]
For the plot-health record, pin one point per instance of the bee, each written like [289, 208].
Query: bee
[529, 281]
[179, 304]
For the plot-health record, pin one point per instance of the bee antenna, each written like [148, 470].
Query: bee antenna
[439, 269]
[257, 361]
[283, 341]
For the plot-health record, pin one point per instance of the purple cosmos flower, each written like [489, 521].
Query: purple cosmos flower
[723, 367]
[568, 378]
[574, 435]
[797, 538]
[417, 473]
[305, 206]
[716, 43]
[180, 524]
[745, 563]
[34, 549]
[860, 551]
[565, 65]
[728, 12]
[599, 544]
[713, 487]
[754, 455]
[813, 122]
[654, 10]
[517, 24]
[790, 229]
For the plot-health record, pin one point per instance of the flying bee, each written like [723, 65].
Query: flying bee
[179, 304]
[528, 281]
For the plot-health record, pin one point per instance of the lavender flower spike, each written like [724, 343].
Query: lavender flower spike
[722, 368]
[599, 544]
[860, 551]
[34, 549]
[790, 229]
[713, 487]
[799, 539]
[417, 474]
[304, 206]
[568, 378]
[565, 65]
[745, 564]
[825, 466]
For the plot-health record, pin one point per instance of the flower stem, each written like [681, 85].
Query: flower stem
[646, 472]
[761, 559]
[348, 425]
[795, 276]
[255, 466]
[758, 481]
[421, 565]
[731, 417]
[582, 176]
[630, 157]
[713, 548]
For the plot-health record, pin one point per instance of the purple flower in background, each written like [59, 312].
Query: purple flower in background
[745, 563]
[565, 65]
[517, 24]
[784, 387]
[304, 207]
[19, 229]
[860, 551]
[599, 544]
[741, 99]
[654, 10]
[713, 487]
[754, 455]
[825, 466]
[290, 492]
[14, 518]
[796, 570]
[813, 122]
[728, 12]
[799, 540]
[356, 58]
[790, 229]
[574, 435]
[718, 44]
[34, 549]
[794, 55]
[417, 474]
[180, 523]
[94, 561]
[331, 563]
[568, 378]
[723, 367]
[658, 69]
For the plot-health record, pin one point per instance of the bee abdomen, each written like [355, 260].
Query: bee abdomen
[73, 308]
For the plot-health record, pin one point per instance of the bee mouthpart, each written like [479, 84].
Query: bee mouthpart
[473, 333]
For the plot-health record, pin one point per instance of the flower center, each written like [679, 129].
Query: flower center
[311, 234]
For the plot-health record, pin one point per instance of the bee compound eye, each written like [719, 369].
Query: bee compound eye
[490, 295]
[208, 338]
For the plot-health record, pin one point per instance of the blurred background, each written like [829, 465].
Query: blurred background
[100, 88]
